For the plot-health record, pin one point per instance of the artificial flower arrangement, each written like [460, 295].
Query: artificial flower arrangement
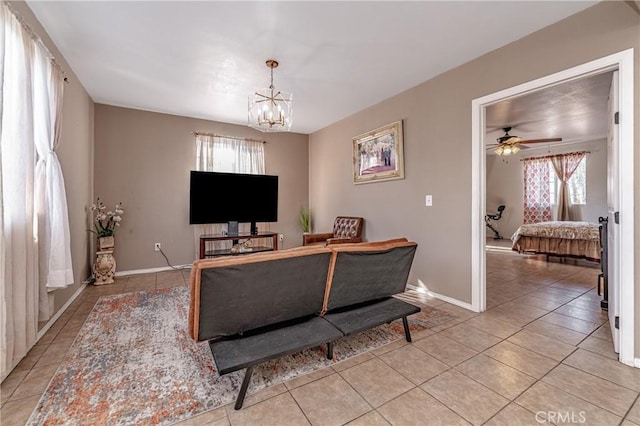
[106, 222]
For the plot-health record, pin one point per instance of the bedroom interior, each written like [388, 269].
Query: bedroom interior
[542, 347]
[575, 113]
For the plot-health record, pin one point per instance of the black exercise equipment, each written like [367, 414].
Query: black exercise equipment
[490, 217]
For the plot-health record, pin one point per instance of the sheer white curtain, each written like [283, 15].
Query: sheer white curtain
[19, 289]
[35, 251]
[220, 154]
[54, 239]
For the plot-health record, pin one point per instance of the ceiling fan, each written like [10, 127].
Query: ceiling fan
[509, 144]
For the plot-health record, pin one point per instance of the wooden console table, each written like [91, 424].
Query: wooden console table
[204, 253]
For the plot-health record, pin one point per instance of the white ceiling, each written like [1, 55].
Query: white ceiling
[202, 59]
[575, 111]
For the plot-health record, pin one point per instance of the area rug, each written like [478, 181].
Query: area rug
[133, 362]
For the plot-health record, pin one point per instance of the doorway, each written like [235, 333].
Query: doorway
[623, 287]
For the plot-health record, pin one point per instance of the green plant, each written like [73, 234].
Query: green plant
[106, 222]
[305, 219]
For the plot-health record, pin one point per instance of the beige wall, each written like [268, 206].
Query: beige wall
[76, 157]
[505, 184]
[437, 135]
[143, 159]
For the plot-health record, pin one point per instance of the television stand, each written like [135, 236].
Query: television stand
[204, 253]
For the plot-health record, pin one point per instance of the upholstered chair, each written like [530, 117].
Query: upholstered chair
[346, 229]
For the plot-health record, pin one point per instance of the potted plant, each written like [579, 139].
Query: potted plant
[105, 223]
[305, 220]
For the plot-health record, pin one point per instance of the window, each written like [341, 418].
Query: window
[577, 185]
[542, 187]
[229, 154]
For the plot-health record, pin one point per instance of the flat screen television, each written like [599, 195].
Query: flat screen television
[232, 197]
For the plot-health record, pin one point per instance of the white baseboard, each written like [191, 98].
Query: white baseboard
[58, 314]
[636, 363]
[416, 288]
[151, 270]
[442, 297]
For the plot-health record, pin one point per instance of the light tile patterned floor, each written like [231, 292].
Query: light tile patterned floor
[542, 353]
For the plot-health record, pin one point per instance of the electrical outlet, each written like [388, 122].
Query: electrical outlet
[281, 237]
[157, 247]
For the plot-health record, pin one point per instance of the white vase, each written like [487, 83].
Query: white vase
[104, 270]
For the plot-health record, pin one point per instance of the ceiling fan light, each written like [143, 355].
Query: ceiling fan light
[506, 149]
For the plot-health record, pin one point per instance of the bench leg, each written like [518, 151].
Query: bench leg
[407, 333]
[330, 350]
[243, 388]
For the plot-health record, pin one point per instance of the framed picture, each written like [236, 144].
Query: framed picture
[378, 155]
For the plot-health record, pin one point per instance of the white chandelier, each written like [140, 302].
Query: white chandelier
[271, 110]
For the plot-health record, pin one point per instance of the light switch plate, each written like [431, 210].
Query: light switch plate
[428, 200]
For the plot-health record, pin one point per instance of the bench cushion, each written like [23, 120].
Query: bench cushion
[235, 354]
[237, 294]
[367, 316]
[370, 271]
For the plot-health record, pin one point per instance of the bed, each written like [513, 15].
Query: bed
[563, 239]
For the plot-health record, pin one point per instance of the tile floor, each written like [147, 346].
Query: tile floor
[541, 354]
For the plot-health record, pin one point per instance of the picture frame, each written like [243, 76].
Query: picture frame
[378, 155]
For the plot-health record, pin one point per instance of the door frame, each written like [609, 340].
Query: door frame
[623, 62]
